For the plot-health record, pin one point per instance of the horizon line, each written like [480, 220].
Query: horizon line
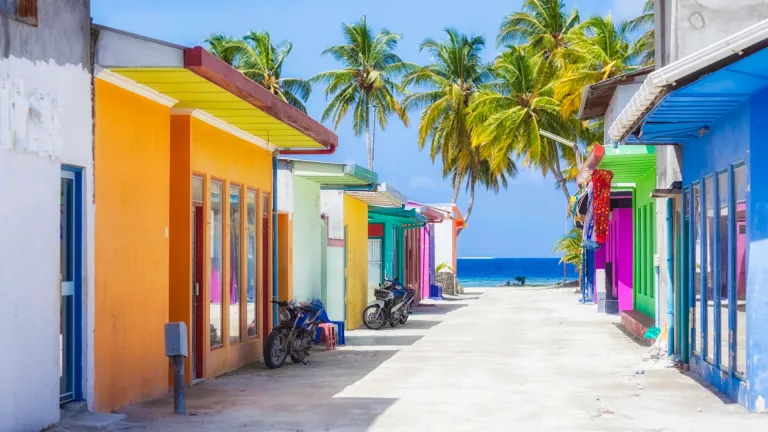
[488, 257]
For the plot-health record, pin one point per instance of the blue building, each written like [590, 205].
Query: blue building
[714, 105]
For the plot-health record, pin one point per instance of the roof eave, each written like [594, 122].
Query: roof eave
[684, 71]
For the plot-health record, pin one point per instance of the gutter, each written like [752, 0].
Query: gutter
[727, 51]
[325, 151]
[366, 188]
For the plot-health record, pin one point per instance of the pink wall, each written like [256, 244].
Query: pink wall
[620, 252]
[424, 251]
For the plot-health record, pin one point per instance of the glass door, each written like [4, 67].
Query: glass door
[69, 246]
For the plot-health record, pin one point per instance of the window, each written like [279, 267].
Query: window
[709, 237]
[20, 10]
[235, 255]
[216, 239]
[722, 260]
[695, 229]
[251, 264]
[740, 261]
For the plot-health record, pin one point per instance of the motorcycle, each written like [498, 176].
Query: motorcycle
[392, 305]
[295, 332]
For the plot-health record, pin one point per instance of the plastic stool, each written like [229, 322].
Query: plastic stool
[329, 332]
[340, 332]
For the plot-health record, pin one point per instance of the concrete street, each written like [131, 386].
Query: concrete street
[513, 359]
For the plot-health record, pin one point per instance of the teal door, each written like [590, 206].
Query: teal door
[70, 286]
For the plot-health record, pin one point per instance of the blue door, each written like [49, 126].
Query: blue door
[70, 286]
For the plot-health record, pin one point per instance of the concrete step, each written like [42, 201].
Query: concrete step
[72, 409]
[90, 421]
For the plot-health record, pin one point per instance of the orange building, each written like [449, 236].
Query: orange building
[185, 158]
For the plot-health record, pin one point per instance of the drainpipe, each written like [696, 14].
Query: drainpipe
[670, 287]
[274, 237]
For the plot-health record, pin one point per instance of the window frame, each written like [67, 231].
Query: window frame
[257, 296]
[239, 186]
[224, 244]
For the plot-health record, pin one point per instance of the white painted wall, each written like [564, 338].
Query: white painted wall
[284, 189]
[335, 279]
[620, 99]
[306, 240]
[444, 243]
[30, 248]
[332, 205]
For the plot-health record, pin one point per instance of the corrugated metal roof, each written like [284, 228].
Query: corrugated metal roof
[383, 196]
[332, 174]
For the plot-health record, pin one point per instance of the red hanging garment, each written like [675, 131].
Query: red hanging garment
[601, 190]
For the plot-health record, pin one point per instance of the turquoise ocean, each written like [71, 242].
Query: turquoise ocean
[488, 272]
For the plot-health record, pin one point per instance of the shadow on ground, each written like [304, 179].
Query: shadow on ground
[287, 399]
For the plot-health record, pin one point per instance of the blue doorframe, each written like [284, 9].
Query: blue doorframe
[76, 174]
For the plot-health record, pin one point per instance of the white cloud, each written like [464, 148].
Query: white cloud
[423, 182]
[626, 9]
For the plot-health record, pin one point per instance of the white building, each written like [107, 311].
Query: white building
[47, 215]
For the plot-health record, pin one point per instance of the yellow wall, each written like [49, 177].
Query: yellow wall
[285, 257]
[132, 162]
[205, 150]
[356, 219]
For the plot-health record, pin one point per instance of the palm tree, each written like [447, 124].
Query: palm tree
[476, 170]
[570, 246]
[220, 45]
[448, 86]
[542, 25]
[367, 81]
[508, 118]
[645, 45]
[600, 49]
[257, 58]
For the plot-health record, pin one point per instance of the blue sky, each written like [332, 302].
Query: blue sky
[523, 221]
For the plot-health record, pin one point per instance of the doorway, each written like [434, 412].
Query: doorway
[197, 318]
[70, 276]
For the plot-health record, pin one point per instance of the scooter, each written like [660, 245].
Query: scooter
[392, 305]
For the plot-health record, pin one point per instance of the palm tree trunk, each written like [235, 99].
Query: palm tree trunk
[456, 189]
[469, 207]
[558, 173]
[368, 147]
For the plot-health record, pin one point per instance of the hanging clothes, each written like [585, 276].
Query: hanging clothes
[601, 203]
[587, 238]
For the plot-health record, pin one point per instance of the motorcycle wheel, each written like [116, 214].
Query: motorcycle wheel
[404, 318]
[276, 349]
[373, 317]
